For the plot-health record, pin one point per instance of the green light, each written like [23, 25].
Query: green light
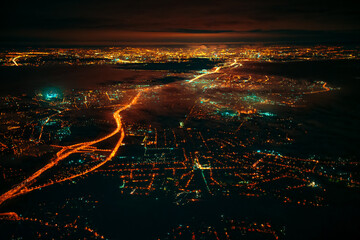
[252, 99]
[267, 114]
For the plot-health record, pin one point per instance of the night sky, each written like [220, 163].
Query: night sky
[103, 22]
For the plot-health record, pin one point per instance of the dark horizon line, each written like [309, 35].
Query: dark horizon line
[175, 44]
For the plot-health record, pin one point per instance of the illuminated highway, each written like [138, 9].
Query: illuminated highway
[217, 69]
[42, 126]
[22, 187]
[14, 60]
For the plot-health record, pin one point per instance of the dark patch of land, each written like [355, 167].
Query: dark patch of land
[185, 65]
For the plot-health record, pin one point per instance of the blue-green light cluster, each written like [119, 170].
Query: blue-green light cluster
[267, 114]
[252, 98]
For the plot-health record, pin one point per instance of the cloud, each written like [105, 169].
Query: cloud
[161, 20]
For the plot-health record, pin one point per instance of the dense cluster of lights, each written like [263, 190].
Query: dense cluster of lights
[189, 161]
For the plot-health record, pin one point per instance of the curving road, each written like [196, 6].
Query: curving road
[66, 151]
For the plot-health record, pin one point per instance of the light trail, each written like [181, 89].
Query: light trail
[326, 89]
[13, 60]
[66, 151]
[217, 69]
[3, 145]
[11, 215]
[204, 74]
[112, 154]
[110, 99]
[42, 129]
[42, 126]
[21, 188]
[256, 163]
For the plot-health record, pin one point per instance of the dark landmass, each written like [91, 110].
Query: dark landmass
[188, 65]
